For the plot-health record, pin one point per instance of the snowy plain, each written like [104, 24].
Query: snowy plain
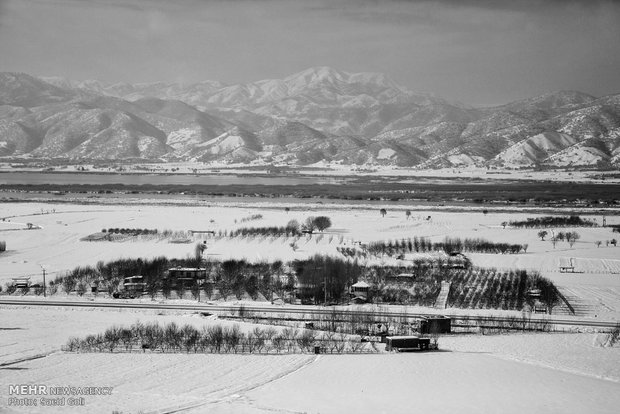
[516, 373]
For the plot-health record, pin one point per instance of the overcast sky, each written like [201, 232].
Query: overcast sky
[474, 51]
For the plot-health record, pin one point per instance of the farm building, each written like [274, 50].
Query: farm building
[187, 275]
[360, 290]
[458, 260]
[21, 282]
[566, 265]
[134, 284]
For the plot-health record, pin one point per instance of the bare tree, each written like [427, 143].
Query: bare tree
[292, 227]
[572, 237]
[278, 342]
[554, 239]
[309, 225]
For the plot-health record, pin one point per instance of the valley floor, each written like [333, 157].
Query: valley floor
[55, 244]
[568, 373]
[516, 373]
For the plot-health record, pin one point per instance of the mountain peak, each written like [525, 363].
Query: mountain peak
[316, 73]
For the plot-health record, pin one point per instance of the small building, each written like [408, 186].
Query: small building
[187, 275]
[134, 284]
[539, 307]
[566, 265]
[21, 282]
[458, 260]
[199, 232]
[360, 289]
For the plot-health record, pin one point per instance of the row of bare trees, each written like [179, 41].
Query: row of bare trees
[215, 339]
[570, 237]
[448, 245]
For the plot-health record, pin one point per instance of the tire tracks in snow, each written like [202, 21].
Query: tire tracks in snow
[237, 394]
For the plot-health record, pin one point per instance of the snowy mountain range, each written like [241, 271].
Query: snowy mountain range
[314, 115]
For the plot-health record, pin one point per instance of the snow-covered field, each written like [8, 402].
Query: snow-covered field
[516, 373]
[568, 373]
[56, 245]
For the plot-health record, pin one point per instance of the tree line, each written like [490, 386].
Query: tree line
[153, 337]
[553, 221]
[448, 245]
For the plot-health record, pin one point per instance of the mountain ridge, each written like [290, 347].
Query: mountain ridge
[319, 114]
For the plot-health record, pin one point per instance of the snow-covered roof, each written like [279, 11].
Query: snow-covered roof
[361, 284]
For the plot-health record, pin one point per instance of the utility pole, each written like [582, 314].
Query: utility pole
[44, 285]
[325, 288]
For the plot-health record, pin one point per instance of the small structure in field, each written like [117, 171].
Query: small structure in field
[2, 246]
[566, 265]
[458, 260]
[194, 232]
[540, 307]
[21, 282]
[406, 343]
